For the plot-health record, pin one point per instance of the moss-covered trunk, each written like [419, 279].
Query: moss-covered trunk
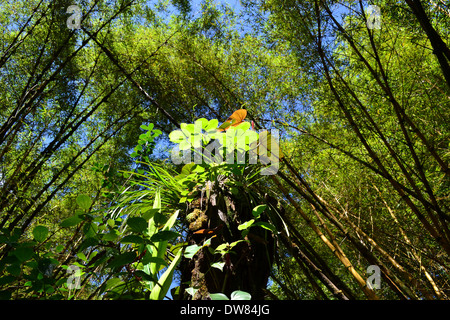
[246, 267]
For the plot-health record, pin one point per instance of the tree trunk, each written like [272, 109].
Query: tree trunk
[246, 267]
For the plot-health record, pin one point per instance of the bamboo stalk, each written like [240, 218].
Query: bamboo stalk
[336, 250]
[439, 293]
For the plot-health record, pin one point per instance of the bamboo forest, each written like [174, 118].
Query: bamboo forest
[224, 150]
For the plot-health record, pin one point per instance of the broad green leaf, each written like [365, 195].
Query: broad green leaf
[110, 236]
[148, 128]
[212, 125]
[82, 256]
[218, 265]
[40, 233]
[84, 201]
[218, 296]
[202, 122]
[223, 246]
[14, 269]
[149, 259]
[235, 243]
[144, 276]
[191, 251]
[90, 229]
[70, 222]
[122, 259]
[246, 224]
[137, 224]
[112, 283]
[164, 235]
[89, 242]
[177, 136]
[187, 168]
[191, 291]
[111, 223]
[148, 213]
[144, 137]
[258, 210]
[132, 238]
[23, 253]
[266, 225]
[187, 128]
[198, 169]
[240, 295]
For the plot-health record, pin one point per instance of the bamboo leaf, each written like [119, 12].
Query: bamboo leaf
[159, 292]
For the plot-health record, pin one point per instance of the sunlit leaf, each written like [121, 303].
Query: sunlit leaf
[40, 233]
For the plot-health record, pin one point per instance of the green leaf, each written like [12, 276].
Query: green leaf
[212, 124]
[89, 242]
[256, 212]
[218, 265]
[149, 213]
[148, 128]
[112, 283]
[40, 233]
[177, 136]
[84, 201]
[187, 128]
[111, 223]
[164, 235]
[246, 224]
[191, 291]
[122, 259]
[70, 222]
[218, 296]
[132, 238]
[266, 225]
[240, 295]
[137, 224]
[23, 253]
[149, 259]
[144, 276]
[159, 292]
[202, 122]
[82, 256]
[187, 168]
[90, 229]
[191, 251]
[110, 236]
[144, 137]
[222, 247]
[235, 243]
[198, 169]
[14, 269]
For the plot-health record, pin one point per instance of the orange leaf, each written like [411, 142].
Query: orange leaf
[204, 231]
[234, 120]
